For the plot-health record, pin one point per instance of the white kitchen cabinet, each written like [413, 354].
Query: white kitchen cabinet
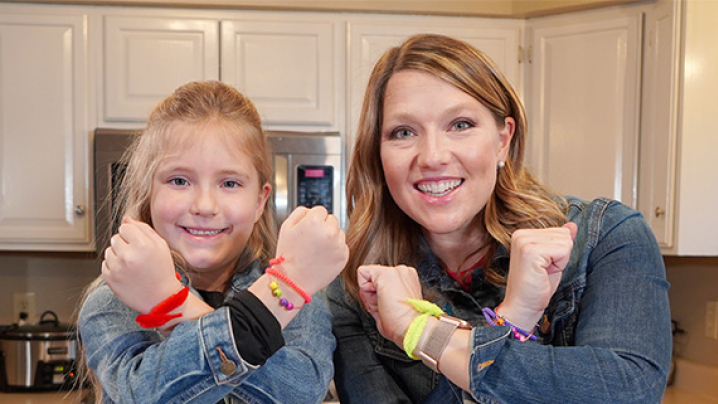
[44, 129]
[371, 36]
[679, 139]
[291, 68]
[584, 102]
[146, 57]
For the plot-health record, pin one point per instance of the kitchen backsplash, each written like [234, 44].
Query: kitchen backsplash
[57, 279]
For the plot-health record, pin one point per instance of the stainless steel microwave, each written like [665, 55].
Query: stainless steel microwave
[308, 171]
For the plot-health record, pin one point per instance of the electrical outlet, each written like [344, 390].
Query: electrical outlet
[24, 302]
[712, 320]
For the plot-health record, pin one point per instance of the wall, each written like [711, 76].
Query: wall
[694, 281]
[57, 280]
[486, 8]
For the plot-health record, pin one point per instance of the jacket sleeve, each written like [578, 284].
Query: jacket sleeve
[618, 348]
[360, 375]
[198, 362]
[300, 372]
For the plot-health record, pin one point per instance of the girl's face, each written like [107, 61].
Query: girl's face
[206, 198]
[440, 148]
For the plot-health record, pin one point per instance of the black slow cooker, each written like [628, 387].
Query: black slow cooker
[39, 356]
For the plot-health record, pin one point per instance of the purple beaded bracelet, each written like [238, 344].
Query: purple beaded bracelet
[494, 319]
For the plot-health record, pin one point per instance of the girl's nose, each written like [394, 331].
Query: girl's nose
[204, 203]
[433, 150]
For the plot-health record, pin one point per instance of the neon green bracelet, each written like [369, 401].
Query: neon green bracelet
[413, 333]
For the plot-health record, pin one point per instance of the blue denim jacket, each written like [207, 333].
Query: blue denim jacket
[136, 365]
[607, 338]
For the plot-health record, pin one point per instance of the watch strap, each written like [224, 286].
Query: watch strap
[434, 345]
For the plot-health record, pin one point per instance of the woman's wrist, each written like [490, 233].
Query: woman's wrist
[523, 318]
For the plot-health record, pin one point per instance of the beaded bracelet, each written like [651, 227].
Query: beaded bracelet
[494, 319]
[284, 302]
[284, 278]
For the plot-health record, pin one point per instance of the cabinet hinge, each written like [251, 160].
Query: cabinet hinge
[526, 54]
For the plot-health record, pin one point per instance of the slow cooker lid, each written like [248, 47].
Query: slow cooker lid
[46, 328]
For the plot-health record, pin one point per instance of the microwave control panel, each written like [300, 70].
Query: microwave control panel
[315, 186]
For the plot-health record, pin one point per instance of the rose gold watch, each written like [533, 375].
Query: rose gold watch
[434, 345]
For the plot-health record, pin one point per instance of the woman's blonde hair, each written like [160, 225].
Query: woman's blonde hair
[379, 231]
[196, 103]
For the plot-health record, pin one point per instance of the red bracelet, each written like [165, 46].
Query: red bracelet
[274, 272]
[159, 315]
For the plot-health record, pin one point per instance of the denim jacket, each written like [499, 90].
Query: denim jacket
[136, 365]
[606, 337]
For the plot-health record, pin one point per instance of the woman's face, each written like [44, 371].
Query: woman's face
[206, 198]
[440, 149]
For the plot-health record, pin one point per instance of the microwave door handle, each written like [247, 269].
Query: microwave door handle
[281, 187]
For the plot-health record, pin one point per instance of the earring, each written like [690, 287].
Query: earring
[501, 164]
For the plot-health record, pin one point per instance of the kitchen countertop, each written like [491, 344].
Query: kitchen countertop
[65, 397]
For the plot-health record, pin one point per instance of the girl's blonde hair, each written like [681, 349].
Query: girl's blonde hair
[196, 103]
[379, 231]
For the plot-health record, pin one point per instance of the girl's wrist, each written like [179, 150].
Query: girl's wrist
[262, 289]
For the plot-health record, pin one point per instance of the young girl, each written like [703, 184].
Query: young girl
[184, 311]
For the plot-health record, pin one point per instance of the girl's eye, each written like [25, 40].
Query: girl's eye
[178, 181]
[231, 184]
[401, 133]
[462, 125]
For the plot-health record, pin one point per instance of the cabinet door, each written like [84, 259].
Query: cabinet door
[290, 70]
[661, 64]
[44, 134]
[369, 39]
[584, 105]
[146, 58]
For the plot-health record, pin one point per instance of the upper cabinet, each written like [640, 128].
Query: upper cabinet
[44, 129]
[289, 67]
[371, 36]
[584, 103]
[679, 171]
[146, 58]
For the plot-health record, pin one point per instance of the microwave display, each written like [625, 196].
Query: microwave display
[315, 186]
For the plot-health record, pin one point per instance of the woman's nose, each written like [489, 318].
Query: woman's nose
[204, 203]
[433, 150]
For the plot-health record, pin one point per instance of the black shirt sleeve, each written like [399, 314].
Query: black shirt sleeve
[257, 332]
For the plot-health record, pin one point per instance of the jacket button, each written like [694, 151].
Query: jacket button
[227, 367]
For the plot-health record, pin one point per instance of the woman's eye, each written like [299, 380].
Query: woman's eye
[401, 133]
[462, 125]
[178, 181]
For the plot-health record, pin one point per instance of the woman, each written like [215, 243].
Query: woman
[445, 210]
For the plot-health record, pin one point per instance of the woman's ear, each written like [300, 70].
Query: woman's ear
[505, 136]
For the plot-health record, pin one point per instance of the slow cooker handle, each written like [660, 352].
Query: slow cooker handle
[56, 322]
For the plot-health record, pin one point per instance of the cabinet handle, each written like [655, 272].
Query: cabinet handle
[80, 210]
[659, 212]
